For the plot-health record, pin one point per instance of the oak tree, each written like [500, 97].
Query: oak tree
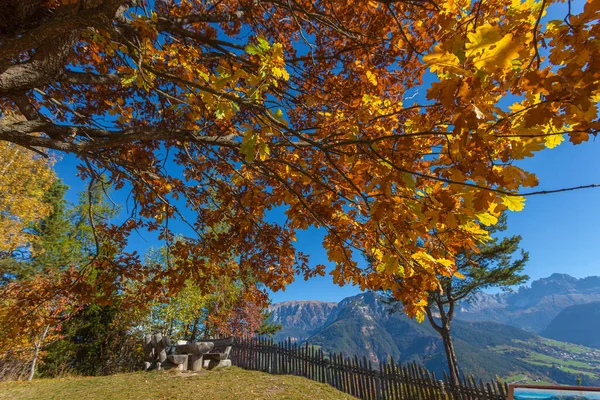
[389, 124]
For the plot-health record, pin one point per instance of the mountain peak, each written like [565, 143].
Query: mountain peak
[300, 318]
[533, 307]
[560, 276]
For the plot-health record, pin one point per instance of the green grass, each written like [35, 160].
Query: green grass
[525, 379]
[567, 347]
[552, 360]
[229, 383]
[514, 378]
[534, 353]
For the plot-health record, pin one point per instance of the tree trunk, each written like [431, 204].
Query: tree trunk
[444, 330]
[38, 346]
[450, 355]
[194, 330]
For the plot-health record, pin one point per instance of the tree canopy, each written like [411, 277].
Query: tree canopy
[393, 125]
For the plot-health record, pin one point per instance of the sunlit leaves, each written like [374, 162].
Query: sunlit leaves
[513, 203]
[24, 179]
[320, 110]
[440, 61]
[487, 219]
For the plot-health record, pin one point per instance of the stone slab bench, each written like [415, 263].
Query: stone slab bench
[195, 353]
[218, 356]
[156, 347]
[206, 353]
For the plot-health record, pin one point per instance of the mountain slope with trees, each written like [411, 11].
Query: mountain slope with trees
[362, 325]
[299, 319]
[577, 324]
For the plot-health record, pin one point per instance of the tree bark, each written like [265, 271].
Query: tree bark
[450, 355]
[444, 331]
[194, 330]
[38, 346]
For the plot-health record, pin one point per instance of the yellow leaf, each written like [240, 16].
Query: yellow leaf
[445, 262]
[447, 7]
[372, 78]
[423, 258]
[499, 55]
[554, 140]
[476, 230]
[438, 60]
[513, 203]
[486, 218]
[420, 316]
[485, 36]
[280, 72]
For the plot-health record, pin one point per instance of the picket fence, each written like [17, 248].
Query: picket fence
[358, 377]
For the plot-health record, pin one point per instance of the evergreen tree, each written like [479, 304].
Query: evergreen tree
[268, 327]
[493, 265]
[51, 246]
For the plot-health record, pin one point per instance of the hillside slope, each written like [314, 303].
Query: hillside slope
[577, 324]
[231, 383]
[363, 326]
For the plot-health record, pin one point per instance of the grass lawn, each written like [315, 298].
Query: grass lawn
[229, 383]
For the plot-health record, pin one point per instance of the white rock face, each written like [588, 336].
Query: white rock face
[532, 307]
[300, 318]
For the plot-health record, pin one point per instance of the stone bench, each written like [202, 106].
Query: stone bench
[218, 356]
[207, 353]
[156, 347]
[195, 353]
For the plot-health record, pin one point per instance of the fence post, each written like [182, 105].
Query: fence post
[442, 388]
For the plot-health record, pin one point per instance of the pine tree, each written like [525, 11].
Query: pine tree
[493, 265]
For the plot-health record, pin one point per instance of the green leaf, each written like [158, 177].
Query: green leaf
[263, 44]
[252, 50]
[128, 80]
[248, 147]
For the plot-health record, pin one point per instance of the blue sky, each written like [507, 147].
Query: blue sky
[560, 231]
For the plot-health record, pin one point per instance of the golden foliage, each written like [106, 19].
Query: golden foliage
[315, 109]
[24, 178]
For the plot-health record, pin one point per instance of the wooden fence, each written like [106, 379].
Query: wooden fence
[358, 377]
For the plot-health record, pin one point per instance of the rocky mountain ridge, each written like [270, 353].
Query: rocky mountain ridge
[362, 325]
[300, 318]
[532, 307]
[529, 307]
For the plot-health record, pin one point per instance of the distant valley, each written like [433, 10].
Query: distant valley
[363, 326]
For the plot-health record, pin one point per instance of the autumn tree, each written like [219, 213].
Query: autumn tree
[223, 306]
[34, 302]
[25, 176]
[493, 264]
[210, 112]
